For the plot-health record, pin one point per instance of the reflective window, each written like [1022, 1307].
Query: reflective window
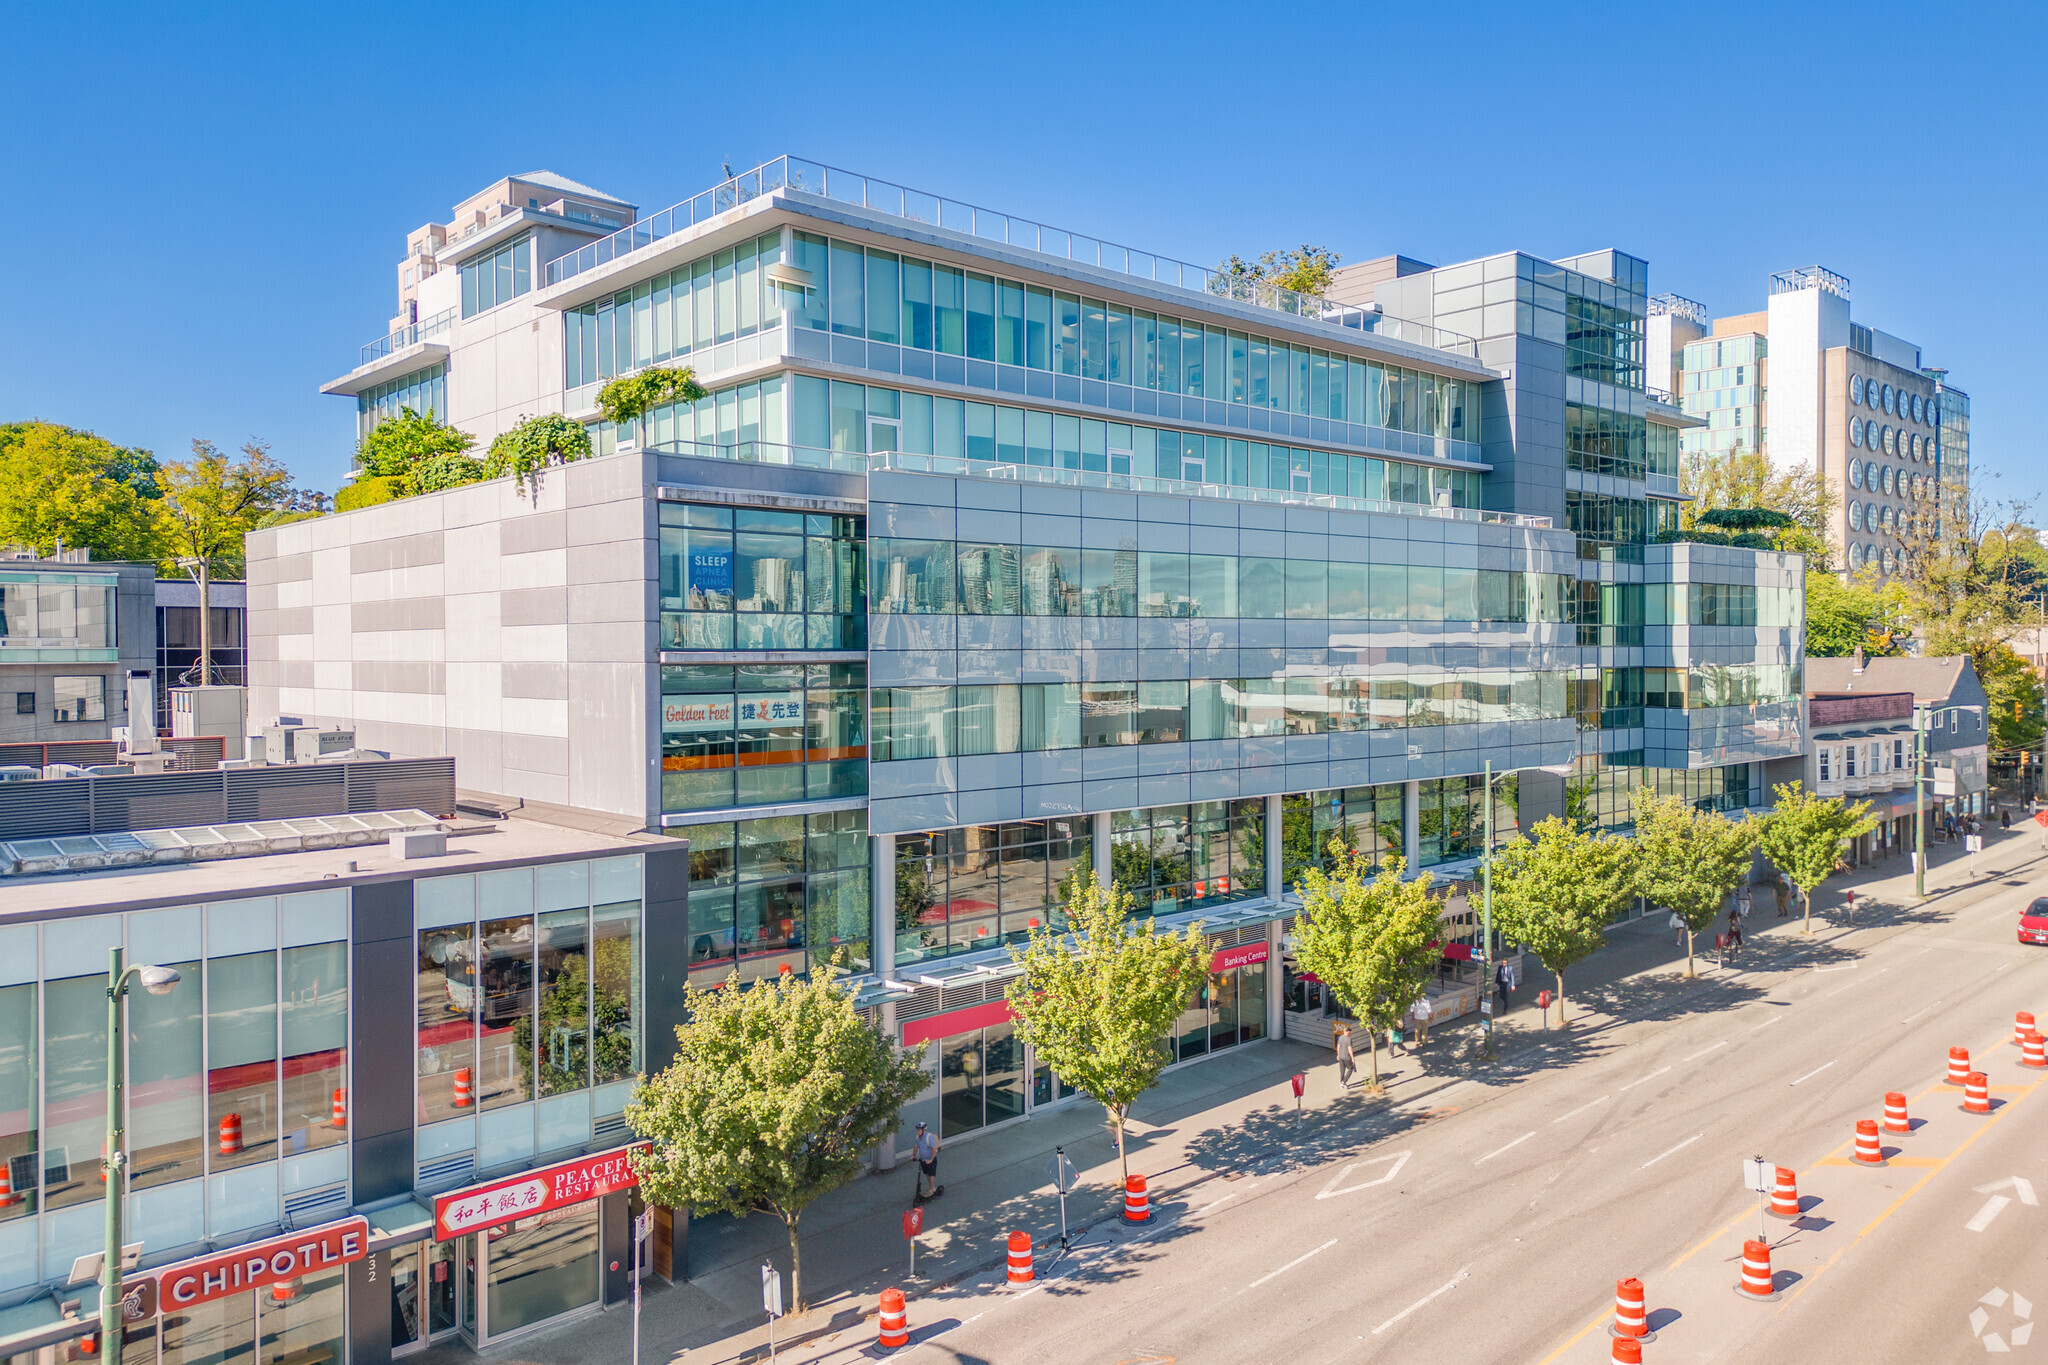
[499, 277]
[757, 579]
[960, 890]
[758, 735]
[783, 893]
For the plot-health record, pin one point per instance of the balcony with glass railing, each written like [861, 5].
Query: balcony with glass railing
[917, 206]
[411, 335]
[853, 462]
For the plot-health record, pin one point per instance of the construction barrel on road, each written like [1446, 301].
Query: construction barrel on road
[2034, 1050]
[230, 1134]
[1630, 1319]
[1976, 1094]
[1868, 1153]
[1756, 1272]
[1020, 1258]
[1896, 1120]
[1137, 1203]
[894, 1319]
[1958, 1065]
[2022, 1025]
[1785, 1196]
[1627, 1351]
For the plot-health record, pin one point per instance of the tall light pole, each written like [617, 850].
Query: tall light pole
[157, 981]
[1486, 908]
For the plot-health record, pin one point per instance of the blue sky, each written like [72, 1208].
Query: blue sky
[208, 202]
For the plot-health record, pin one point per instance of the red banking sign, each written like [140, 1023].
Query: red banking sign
[261, 1264]
[1244, 955]
[522, 1196]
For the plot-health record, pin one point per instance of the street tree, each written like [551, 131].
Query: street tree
[209, 503]
[776, 1095]
[1097, 1001]
[1804, 837]
[60, 487]
[1689, 860]
[1369, 936]
[1556, 892]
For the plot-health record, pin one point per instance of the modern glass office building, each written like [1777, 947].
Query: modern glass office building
[997, 553]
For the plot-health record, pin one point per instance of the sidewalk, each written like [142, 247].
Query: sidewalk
[1206, 1120]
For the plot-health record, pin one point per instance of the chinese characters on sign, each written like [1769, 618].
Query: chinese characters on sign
[534, 1192]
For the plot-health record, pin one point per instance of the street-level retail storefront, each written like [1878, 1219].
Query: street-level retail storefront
[983, 1074]
[281, 1301]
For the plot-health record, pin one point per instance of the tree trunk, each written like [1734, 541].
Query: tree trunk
[1560, 996]
[796, 1267]
[1372, 1041]
[1688, 952]
[1116, 1116]
[1807, 896]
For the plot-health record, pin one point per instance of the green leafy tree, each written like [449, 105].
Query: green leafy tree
[2012, 691]
[777, 1093]
[1689, 860]
[631, 397]
[1098, 1013]
[368, 490]
[1843, 617]
[210, 502]
[59, 486]
[1804, 836]
[1369, 936]
[396, 444]
[1745, 480]
[1309, 270]
[535, 443]
[1556, 892]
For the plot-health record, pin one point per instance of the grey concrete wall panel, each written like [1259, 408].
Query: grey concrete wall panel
[383, 975]
[666, 895]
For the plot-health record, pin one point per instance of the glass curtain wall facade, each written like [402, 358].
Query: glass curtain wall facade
[424, 391]
[783, 893]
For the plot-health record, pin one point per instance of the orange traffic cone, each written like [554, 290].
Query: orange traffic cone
[1976, 1094]
[1137, 1203]
[1630, 1320]
[1958, 1065]
[463, 1096]
[231, 1135]
[1756, 1273]
[2022, 1025]
[1868, 1153]
[2034, 1051]
[1627, 1351]
[1785, 1198]
[1896, 1120]
[340, 1110]
[894, 1319]
[1020, 1258]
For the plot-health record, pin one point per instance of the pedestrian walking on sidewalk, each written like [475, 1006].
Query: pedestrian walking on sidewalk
[2005, 818]
[1503, 982]
[1678, 929]
[1347, 1060]
[926, 1150]
[1734, 932]
[1422, 1012]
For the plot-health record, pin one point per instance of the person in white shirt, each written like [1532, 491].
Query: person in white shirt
[1421, 1014]
[926, 1150]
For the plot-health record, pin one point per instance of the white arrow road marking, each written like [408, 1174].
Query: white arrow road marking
[1993, 1206]
[1423, 1300]
[1291, 1264]
[1400, 1159]
[2019, 1185]
[1498, 1150]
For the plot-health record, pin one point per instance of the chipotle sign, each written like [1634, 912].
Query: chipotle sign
[533, 1192]
[261, 1264]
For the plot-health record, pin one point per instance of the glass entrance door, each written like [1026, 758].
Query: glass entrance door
[534, 1271]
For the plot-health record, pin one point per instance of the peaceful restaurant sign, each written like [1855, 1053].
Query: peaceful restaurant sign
[531, 1192]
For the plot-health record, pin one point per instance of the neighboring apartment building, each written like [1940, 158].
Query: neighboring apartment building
[1806, 385]
[71, 631]
[367, 1036]
[997, 553]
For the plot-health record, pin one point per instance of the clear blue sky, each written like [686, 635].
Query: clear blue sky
[207, 203]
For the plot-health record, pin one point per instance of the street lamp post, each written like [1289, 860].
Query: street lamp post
[157, 981]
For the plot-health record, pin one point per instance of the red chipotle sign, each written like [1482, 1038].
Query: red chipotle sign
[261, 1264]
[532, 1192]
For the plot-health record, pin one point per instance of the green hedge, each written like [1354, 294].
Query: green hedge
[368, 492]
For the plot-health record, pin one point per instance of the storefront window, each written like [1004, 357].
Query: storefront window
[447, 1021]
[615, 982]
[311, 1325]
[561, 1042]
[214, 1333]
[754, 578]
[981, 1078]
[1367, 819]
[315, 1024]
[18, 1090]
[507, 1007]
[1177, 857]
[164, 1108]
[782, 892]
[762, 734]
[241, 1048]
[542, 1267]
[75, 1088]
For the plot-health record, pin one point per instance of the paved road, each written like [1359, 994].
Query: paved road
[1493, 1224]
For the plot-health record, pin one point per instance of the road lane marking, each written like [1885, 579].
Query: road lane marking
[1661, 1155]
[1705, 1050]
[1498, 1150]
[1917, 1013]
[1400, 1159]
[1581, 1109]
[1993, 1206]
[1291, 1264]
[1852, 985]
[1434, 1293]
[1651, 1077]
[1768, 1022]
[1815, 1072]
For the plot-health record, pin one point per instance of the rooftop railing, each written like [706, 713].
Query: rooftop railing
[848, 187]
[411, 335]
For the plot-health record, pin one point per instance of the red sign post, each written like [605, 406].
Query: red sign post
[913, 1223]
[532, 1192]
[262, 1264]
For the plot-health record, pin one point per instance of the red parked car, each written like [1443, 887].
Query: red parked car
[2034, 922]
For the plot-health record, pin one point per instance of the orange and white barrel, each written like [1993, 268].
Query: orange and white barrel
[1896, 1119]
[339, 1111]
[1756, 1270]
[1785, 1194]
[1020, 1258]
[231, 1135]
[1137, 1203]
[1868, 1153]
[1958, 1065]
[2034, 1050]
[2022, 1025]
[894, 1319]
[1627, 1351]
[1630, 1319]
[465, 1096]
[1976, 1094]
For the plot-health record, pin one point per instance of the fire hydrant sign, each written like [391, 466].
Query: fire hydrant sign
[532, 1192]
